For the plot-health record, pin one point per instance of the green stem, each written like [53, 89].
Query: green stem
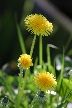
[67, 96]
[40, 51]
[22, 83]
[62, 70]
[34, 102]
[61, 73]
[20, 37]
[18, 101]
[21, 40]
[32, 47]
[65, 100]
[48, 58]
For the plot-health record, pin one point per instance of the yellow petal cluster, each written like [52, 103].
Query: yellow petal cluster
[25, 61]
[38, 25]
[45, 81]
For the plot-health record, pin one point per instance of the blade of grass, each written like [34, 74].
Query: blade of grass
[20, 37]
[61, 72]
[54, 69]
[44, 66]
[48, 58]
[64, 100]
[21, 40]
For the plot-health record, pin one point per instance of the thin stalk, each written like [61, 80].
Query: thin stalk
[61, 73]
[48, 58]
[21, 40]
[32, 46]
[20, 37]
[65, 100]
[67, 96]
[34, 102]
[21, 88]
[40, 52]
[62, 70]
[18, 101]
[51, 105]
[54, 69]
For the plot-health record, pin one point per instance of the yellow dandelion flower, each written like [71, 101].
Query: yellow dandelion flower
[45, 81]
[25, 61]
[38, 25]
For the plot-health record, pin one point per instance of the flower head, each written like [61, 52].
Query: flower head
[25, 61]
[38, 25]
[45, 81]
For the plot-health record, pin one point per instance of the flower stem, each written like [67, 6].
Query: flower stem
[18, 101]
[40, 51]
[32, 47]
[22, 83]
[33, 103]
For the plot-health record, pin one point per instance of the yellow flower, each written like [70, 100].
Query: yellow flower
[45, 81]
[38, 25]
[25, 61]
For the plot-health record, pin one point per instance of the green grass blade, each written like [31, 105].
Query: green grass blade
[61, 73]
[21, 40]
[20, 37]
[48, 58]
[62, 70]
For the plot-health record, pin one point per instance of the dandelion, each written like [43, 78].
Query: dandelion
[45, 81]
[38, 25]
[25, 61]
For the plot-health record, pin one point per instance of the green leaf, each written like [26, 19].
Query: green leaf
[65, 88]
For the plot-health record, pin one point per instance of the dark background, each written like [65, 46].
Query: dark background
[64, 6]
